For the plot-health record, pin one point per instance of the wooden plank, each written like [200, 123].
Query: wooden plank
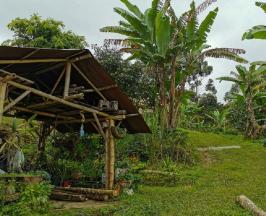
[18, 99]
[3, 88]
[88, 81]
[57, 99]
[67, 79]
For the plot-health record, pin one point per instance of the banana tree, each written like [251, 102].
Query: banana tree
[252, 85]
[147, 35]
[219, 119]
[194, 36]
[259, 31]
[169, 45]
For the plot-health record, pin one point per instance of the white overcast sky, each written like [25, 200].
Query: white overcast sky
[86, 17]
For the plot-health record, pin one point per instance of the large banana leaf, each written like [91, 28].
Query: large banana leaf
[262, 5]
[163, 33]
[133, 8]
[205, 26]
[226, 53]
[257, 32]
[134, 21]
[120, 30]
[229, 79]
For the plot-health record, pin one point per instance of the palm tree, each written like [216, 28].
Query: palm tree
[252, 85]
[257, 32]
[172, 46]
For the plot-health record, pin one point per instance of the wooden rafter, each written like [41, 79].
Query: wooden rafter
[24, 57]
[18, 99]
[58, 81]
[59, 100]
[88, 81]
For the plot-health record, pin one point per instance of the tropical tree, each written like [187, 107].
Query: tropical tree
[43, 33]
[252, 85]
[130, 76]
[173, 47]
[259, 31]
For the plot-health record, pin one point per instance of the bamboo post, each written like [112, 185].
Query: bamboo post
[67, 79]
[3, 87]
[110, 157]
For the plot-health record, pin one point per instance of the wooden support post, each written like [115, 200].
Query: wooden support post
[3, 87]
[110, 157]
[67, 79]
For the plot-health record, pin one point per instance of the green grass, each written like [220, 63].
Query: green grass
[223, 176]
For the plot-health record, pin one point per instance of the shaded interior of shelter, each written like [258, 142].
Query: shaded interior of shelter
[45, 75]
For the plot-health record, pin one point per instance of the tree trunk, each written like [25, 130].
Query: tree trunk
[161, 74]
[171, 117]
[178, 97]
[252, 127]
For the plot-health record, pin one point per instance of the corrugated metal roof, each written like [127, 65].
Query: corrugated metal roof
[45, 74]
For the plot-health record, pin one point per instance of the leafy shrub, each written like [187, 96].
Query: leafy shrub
[34, 200]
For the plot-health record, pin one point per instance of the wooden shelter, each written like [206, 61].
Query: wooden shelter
[65, 88]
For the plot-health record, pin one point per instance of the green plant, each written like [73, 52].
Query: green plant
[34, 200]
[257, 32]
[251, 83]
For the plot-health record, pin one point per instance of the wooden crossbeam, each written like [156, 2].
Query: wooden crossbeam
[118, 118]
[31, 61]
[59, 100]
[88, 81]
[49, 103]
[41, 113]
[18, 99]
[100, 89]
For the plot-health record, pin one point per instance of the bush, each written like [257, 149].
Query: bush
[34, 200]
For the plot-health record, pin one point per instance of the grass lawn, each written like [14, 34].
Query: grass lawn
[221, 175]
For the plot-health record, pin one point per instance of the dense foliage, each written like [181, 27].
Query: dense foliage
[131, 77]
[43, 33]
